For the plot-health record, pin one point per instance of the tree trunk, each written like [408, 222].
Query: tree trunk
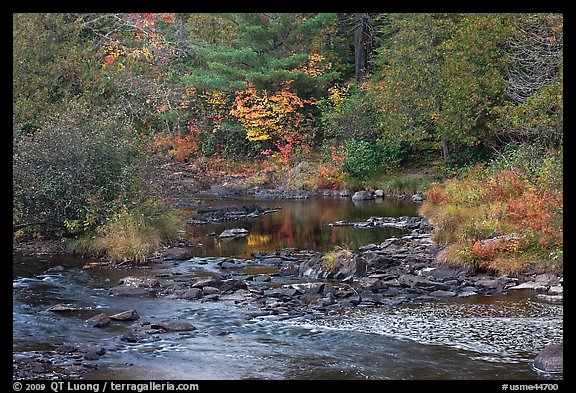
[445, 149]
[361, 45]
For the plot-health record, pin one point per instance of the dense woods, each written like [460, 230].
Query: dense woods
[475, 99]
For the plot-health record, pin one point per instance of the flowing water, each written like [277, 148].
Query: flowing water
[494, 337]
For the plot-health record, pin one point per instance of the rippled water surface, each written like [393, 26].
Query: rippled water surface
[494, 337]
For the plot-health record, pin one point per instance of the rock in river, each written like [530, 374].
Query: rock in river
[176, 253]
[233, 232]
[550, 359]
[99, 320]
[362, 196]
[63, 308]
[136, 286]
[130, 315]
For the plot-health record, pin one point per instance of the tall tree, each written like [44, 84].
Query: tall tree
[472, 78]
[440, 78]
[363, 44]
[533, 79]
[52, 64]
[407, 83]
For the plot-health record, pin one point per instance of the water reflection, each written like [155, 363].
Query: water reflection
[301, 225]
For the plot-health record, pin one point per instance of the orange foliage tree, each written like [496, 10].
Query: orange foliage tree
[273, 117]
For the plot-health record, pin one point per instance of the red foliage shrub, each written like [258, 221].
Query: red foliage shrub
[503, 185]
[436, 195]
[538, 212]
[329, 178]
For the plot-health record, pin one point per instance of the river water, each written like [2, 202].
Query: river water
[482, 338]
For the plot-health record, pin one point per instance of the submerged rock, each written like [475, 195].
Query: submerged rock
[174, 326]
[63, 308]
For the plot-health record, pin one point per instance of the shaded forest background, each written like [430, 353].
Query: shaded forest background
[362, 96]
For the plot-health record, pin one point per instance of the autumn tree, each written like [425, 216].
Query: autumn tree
[77, 153]
[53, 64]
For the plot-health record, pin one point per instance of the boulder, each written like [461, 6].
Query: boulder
[139, 282]
[344, 193]
[211, 282]
[55, 269]
[532, 285]
[420, 282]
[208, 290]
[309, 287]
[362, 196]
[233, 284]
[418, 198]
[176, 253]
[192, 293]
[283, 292]
[441, 293]
[550, 359]
[290, 269]
[132, 337]
[99, 320]
[136, 286]
[371, 283]
[238, 296]
[343, 269]
[122, 290]
[94, 353]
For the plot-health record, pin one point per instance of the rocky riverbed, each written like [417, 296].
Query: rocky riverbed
[286, 283]
[291, 283]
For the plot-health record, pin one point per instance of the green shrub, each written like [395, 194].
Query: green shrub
[363, 158]
[345, 118]
[74, 167]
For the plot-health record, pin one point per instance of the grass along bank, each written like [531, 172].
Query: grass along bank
[133, 233]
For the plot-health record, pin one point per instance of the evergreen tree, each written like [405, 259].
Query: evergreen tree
[268, 50]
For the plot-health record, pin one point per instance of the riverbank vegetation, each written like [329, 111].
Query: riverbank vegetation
[466, 108]
[505, 216]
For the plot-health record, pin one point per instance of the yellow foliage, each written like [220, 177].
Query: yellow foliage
[258, 240]
[264, 115]
[216, 98]
[316, 65]
[338, 94]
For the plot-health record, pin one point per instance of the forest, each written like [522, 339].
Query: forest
[465, 108]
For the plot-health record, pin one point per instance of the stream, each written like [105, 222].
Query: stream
[478, 337]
